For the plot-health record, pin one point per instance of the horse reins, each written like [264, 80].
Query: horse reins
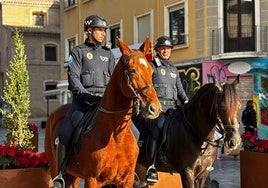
[136, 97]
[220, 127]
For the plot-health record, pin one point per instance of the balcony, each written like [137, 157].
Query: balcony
[239, 42]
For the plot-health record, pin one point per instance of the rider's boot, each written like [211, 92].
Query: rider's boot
[151, 174]
[60, 154]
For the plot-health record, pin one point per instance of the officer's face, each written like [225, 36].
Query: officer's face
[98, 34]
[164, 51]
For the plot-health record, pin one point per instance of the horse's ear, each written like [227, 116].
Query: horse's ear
[217, 83]
[123, 47]
[236, 81]
[146, 46]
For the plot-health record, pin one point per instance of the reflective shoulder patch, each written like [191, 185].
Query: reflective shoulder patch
[70, 60]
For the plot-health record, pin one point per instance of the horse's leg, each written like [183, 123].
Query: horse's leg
[71, 181]
[92, 182]
[76, 182]
[188, 178]
[203, 179]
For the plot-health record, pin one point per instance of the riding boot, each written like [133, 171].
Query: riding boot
[60, 154]
[151, 174]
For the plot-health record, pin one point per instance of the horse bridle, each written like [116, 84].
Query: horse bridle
[220, 127]
[136, 92]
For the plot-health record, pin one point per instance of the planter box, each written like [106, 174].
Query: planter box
[25, 177]
[253, 169]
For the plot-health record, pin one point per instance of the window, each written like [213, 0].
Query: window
[50, 53]
[68, 3]
[71, 44]
[177, 24]
[239, 26]
[51, 85]
[143, 27]
[38, 18]
[114, 32]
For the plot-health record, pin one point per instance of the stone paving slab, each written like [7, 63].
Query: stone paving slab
[227, 172]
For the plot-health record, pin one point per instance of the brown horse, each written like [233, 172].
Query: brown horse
[109, 151]
[189, 147]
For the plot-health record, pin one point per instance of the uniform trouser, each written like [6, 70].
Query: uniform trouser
[65, 134]
[155, 129]
[66, 129]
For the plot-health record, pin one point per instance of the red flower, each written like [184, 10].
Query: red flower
[251, 142]
[33, 127]
[11, 157]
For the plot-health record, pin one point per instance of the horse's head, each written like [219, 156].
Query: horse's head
[138, 85]
[227, 107]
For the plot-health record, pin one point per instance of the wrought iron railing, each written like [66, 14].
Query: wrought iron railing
[260, 37]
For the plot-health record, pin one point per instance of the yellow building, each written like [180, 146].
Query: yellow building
[134, 20]
[39, 22]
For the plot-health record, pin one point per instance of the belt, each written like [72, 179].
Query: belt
[167, 102]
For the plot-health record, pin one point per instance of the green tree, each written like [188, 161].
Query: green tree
[17, 95]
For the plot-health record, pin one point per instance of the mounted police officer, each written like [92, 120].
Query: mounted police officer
[169, 89]
[89, 70]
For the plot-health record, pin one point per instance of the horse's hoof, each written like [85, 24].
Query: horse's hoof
[138, 184]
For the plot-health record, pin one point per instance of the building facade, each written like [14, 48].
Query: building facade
[218, 38]
[39, 22]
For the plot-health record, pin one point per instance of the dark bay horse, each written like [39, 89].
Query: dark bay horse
[109, 151]
[190, 147]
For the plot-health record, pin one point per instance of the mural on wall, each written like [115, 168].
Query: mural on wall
[263, 96]
[260, 74]
[217, 70]
[191, 78]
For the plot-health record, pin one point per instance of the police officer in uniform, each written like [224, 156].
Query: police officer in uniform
[89, 70]
[169, 90]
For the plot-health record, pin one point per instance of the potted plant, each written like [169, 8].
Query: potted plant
[23, 168]
[19, 164]
[17, 96]
[34, 140]
[12, 157]
[252, 143]
[253, 161]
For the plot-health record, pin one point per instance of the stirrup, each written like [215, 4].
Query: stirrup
[151, 175]
[152, 167]
[59, 179]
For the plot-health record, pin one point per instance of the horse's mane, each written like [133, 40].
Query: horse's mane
[202, 91]
[229, 95]
[231, 98]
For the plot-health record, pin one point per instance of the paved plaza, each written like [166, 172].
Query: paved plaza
[226, 171]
